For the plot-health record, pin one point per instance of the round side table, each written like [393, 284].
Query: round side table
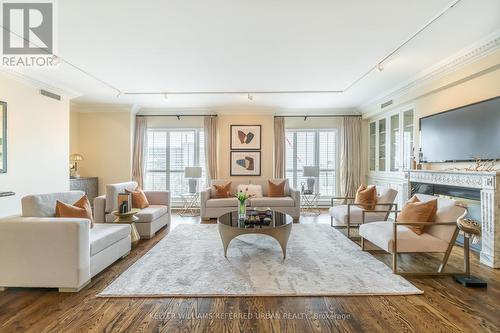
[129, 218]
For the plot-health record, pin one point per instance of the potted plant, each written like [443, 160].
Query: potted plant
[242, 203]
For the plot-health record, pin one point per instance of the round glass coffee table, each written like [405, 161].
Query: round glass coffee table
[266, 222]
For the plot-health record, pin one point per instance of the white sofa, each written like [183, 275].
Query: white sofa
[39, 250]
[212, 207]
[151, 219]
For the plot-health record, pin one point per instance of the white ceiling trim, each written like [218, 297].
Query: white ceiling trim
[475, 52]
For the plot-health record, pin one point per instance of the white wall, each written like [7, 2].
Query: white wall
[38, 143]
[103, 136]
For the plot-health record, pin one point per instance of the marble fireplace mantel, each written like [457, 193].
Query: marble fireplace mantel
[489, 185]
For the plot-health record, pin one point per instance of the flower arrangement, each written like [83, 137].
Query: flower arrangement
[242, 199]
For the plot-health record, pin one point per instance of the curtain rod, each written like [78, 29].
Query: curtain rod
[321, 116]
[175, 115]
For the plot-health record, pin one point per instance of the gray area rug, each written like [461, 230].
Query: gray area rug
[320, 261]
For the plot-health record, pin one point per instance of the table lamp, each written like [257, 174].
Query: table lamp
[75, 159]
[312, 173]
[193, 173]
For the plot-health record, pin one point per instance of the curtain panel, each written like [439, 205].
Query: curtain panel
[210, 130]
[279, 147]
[140, 144]
[350, 156]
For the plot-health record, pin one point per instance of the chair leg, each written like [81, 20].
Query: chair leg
[331, 221]
[448, 251]
[394, 262]
[362, 244]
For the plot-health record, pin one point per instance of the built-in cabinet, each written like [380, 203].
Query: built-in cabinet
[391, 149]
[391, 139]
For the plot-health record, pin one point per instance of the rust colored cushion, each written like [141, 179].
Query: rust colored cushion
[366, 197]
[139, 199]
[80, 209]
[418, 211]
[276, 190]
[222, 191]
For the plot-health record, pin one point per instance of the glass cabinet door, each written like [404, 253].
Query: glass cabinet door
[381, 144]
[373, 145]
[407, 139]
[395, 152]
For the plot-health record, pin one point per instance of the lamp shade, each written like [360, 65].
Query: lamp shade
[311, 171]
[75, 158]
[192, 172]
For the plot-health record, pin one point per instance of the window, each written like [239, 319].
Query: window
[169, 151]
[312, 147]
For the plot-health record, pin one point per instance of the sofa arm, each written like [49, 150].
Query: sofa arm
[100, 209]
[44, 252]
[295, 194]
[204, 197]
[158, 198]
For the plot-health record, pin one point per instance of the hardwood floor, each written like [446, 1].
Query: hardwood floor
[445, 306]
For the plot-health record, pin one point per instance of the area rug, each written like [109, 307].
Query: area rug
[189, 262]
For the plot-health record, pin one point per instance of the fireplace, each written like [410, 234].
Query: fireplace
[480, 190]
[469, 196]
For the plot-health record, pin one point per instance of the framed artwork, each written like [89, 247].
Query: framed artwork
[3, 137]
[245, 163]
[246, 137]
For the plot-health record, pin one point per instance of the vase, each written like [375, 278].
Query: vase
[242, 210]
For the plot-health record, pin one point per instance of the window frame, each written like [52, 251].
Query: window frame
[316, 158]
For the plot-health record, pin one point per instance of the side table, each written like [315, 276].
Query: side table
[309, 204]
[190, 204]
[129, 218]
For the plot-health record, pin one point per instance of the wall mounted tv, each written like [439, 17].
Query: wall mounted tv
[462, 134]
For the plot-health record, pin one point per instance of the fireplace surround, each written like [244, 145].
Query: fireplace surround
[472, 188]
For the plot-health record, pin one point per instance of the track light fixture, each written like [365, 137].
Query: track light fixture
[119, 94]
[380, 67]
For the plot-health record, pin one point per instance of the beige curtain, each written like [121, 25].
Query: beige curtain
[279, 147]
[210, 130]
[350, 155]
[140, 144]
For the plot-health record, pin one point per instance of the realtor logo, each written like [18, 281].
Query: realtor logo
[28, 33]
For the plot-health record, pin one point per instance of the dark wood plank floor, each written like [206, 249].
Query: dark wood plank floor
[444, 307]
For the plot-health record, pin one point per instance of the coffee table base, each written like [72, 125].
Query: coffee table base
[281, 234]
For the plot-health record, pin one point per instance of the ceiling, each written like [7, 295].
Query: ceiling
[216, 45]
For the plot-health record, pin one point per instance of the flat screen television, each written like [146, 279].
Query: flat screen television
[462, 134]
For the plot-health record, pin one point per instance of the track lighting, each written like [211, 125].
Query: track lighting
[380, 67]
[119, 94]
[55, 60]
[250, 97]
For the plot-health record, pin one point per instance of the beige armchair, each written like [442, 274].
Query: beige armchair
[396, 237]
[351, 215]
[151, 219]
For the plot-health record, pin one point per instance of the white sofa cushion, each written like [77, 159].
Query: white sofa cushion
[252, 190]
[381, 234]
[339, 214]
[44, 205]
[272, 202]
[151, 213]
[104, 235]
[112, 191]
[223, 202]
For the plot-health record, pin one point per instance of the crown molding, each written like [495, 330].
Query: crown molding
[100, 107]
[37, 84]
[473, 53]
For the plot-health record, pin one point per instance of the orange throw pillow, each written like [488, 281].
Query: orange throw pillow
[418, 211]
[222, 191]
[276, 190]
[139, 199]
[366, 197]
[80, 209]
